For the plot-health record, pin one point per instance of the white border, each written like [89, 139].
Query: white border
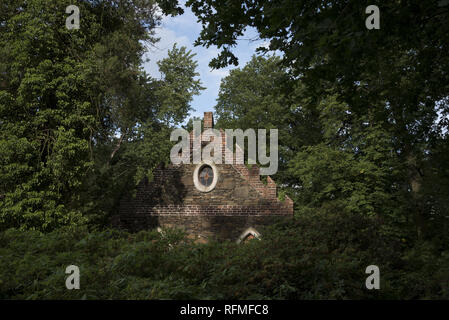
[196, 181]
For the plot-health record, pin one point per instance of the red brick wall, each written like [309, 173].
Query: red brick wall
[171, 198]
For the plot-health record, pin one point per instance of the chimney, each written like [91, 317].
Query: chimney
[208, 122]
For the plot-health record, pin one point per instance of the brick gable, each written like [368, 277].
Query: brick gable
[239, 201]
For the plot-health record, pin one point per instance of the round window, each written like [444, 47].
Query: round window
[205, 176]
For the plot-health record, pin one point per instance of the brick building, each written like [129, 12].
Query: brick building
[207, 200]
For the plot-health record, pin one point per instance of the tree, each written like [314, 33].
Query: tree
[176, 90]
[392, 79]
[263, 95]
[123, 162]
[329, 158]
[70, 100]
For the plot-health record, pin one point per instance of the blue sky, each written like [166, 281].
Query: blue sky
[184, 30]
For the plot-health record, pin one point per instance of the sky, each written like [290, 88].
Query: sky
[184, 30]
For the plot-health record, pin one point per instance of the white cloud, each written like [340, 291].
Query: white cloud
[185, 22]
[220, 73]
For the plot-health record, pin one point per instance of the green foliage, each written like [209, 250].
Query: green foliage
[376, 100]
[334, 156]
[179, 84]
[362, 117]
[261, 95]
[250, 96]
[80, 120]
[320, 256]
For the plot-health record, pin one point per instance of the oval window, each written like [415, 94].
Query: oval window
[206, 175]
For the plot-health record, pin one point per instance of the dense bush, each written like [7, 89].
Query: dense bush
[320, 256]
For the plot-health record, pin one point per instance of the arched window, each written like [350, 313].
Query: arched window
[248, 234]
